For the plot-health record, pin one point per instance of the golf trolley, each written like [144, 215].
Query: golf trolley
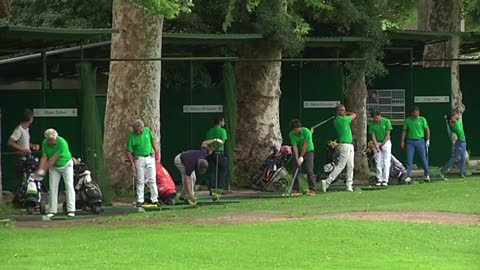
[28, 194]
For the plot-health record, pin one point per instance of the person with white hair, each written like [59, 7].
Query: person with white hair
[142, 152]
[57, 159]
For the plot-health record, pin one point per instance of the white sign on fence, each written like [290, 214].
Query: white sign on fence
[55, 112]
[314, 104]
[432, 99]
[202, 108]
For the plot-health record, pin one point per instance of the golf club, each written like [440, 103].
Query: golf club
[295, 173]
[448, 128]
[321, 124]
[133, 189]
[215, 195]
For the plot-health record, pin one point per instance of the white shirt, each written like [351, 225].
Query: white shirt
[21, 136]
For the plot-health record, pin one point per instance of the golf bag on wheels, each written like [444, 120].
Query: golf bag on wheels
[331, 161]
[28, 194]
[270, 173]
[88, 195]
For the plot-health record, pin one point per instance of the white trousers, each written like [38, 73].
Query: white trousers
[383, 161]
[178, 163]
[346, 156]
[55, 173]
[146, 169]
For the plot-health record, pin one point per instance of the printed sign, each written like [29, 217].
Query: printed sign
[55, 112]
[202, 108]
[390, 102]
[432, 99]
[314, 104]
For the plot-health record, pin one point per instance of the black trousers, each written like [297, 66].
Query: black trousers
[222, 170]
[308, 164]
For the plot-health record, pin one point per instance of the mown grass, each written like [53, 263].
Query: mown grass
[297, 244]
[460, 195]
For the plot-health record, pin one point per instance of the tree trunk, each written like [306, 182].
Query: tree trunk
[133, 87]
[443, 16]
[5, 8]
[258, 96]
[355, 101]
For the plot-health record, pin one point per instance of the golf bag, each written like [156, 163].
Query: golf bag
[28, 194]
[270, 176]
[165, 185]
[331, 161]
[88, 195]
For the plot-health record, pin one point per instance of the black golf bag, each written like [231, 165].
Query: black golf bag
[88, 195]
[331, 161]
[28, 194]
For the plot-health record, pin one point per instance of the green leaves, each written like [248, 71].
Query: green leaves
[167, 8]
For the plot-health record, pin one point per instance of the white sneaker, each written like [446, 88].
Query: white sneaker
[427, 178]
[50, 215]
[384, 184]
[378, 183]
[408, 180]
[324, 185]
[350, 188]
[71, 214]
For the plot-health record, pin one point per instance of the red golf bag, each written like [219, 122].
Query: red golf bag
[165, 185]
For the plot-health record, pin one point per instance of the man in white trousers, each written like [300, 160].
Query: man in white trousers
[57, 159]
[380, 129]
[344, 148]
[142, 152]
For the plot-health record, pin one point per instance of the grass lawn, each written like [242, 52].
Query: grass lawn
[292, 244]
[299, 244]
[460, 195]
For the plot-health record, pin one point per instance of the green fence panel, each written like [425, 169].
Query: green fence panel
[470, 85]
[418, 81]
[302, 84]
[14, 102]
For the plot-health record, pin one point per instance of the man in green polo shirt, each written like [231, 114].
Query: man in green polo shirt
[380, 129]
[456, 126]
[344, 148]
[57, 159]
[142, 152]
[302, 145]
[217, 172]
[417, 133]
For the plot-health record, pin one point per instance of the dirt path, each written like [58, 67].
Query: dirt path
[414, 217]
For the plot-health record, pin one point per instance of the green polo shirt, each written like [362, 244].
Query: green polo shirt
[300, 139]
[457, 128]
[342, 125]
[415, 127]
[60, 148]
[216, 132]
[140, 144]
[380, 129]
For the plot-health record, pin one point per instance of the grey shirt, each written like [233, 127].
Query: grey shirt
[21, 136]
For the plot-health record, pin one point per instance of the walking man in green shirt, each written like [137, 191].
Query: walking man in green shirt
[302, 145]
[456, 126]
[141, 151]
[218, 172]
[57, 159]
[417, 133]
[344, 148]
[380, 129]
